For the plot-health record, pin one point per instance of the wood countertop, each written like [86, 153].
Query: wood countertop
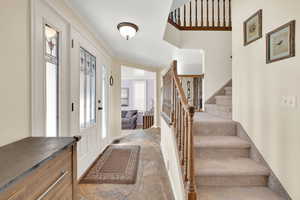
[20, 158]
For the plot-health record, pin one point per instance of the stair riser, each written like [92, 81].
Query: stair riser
[221, 153]
[224, 102]
[240, 181]
[237, 193]
[218, 109]
[228, 92]
[225, 115]
[215, 129]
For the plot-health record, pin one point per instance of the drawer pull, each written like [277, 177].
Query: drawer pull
[53, 185]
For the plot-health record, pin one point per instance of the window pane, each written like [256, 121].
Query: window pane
[51, 41]
[93, 90]
[82, 85]
[139, 95]
[51, 59]
[104, 101]
[51, 105]
[87, 89]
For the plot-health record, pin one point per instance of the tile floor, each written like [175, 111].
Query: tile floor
[152, 180]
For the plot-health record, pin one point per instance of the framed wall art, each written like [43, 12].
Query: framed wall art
[281, 42]
[253, 28]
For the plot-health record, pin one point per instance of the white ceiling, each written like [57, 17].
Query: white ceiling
[147, 47]
[134, 73]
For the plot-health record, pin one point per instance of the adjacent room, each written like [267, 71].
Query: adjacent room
[137, 98]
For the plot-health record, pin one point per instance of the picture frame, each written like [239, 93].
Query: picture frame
[253, 28]
[280, 43]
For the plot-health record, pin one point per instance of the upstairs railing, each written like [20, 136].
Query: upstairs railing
[205, 15]
[192, 85]
[180, 114]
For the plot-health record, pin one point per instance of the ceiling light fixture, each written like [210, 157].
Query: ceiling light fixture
[128, 30]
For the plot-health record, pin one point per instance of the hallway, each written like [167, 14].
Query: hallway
[152, 181]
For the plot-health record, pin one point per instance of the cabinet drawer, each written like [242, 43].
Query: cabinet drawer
[47, 175]
[52, 180]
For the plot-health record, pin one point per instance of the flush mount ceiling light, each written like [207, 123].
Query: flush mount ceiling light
[128, 30]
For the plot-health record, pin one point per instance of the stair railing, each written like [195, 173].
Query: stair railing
[205, 15]
[181, 119]
[192, 85]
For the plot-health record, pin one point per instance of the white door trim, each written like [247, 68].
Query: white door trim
[38, 112]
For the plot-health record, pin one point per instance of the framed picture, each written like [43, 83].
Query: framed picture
[281, 43]
[125, 97]
[253, 28]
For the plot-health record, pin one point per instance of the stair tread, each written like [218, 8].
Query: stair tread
[236, 193]
[223, 107]
[220, 142]
[223, 97]
[229, 167]
[204, 117]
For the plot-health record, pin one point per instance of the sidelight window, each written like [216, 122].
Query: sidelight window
[52, 64]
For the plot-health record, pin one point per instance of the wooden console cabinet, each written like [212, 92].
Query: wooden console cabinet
[39, 169]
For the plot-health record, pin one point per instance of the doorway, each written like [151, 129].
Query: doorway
[138, 97]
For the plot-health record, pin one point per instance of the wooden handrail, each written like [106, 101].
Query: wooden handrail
[176, 80]
[192, 85]
[181, 116]
[187, 16]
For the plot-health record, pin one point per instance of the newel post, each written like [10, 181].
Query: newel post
[191, 188]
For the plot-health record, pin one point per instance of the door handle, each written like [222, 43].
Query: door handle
[100, 108]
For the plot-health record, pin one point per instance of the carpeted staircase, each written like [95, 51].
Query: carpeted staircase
[221, 103]
[223, 167]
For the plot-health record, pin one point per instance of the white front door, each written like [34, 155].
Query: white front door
[86, 91]
[69, 87]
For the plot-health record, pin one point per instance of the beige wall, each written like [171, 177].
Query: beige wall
[215, 57]
[15, 78]
[115, 100]
[216, 46]
[258, 89]
[15, 74]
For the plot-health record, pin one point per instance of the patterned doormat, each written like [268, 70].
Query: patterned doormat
[117, 165]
